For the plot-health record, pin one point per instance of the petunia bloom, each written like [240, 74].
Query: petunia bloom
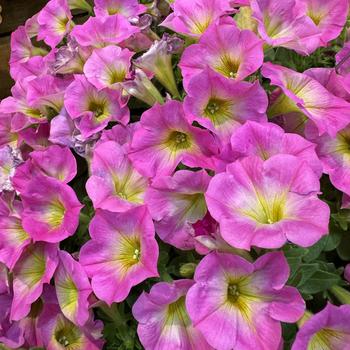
[327, 330]
[334, 154]
[102, 31]
[55, 21]
[236, 304]
[301, 93]
[114, 184]
[265, 203]
[122, 253]
[163, 319]
[286, 24]
[175, 202]
[108, 67]
[329, 16]
[267, 140]
[92, 108]
[165, 138]
[35, 267]
[193, 18]
[72, 289]
[126, 8]
[222, 105]
[225, 49]
[51, 209]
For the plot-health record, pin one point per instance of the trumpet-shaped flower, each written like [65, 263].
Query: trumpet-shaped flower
[165, 138]
[57, 332]
[301, 93]
[236, 304]
[126, 8]
[55, 21]
[286, 24]
[92, 107]
[108, 67]
[327, 330]
[51, 209]
[267, 140]
[226, 50]
[72, 289]
[175, 202]
[265, 203]
[334, 154]
[114, 184]
[35, 267]
[102, 31]
[222, 105]
[122, 253]
[193, 18]
[163, 319]
[329, 16]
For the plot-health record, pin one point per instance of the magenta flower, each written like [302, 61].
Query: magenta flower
[72, 289]
[114, 184]
[163, 319]
[108, 67]
[193, 18]
[347, 272]
[175, 202]
[94, 108]
[165, 138]
[221, 105]
[35, 267]
[57, 332]
[286, 24]
[55, 21]
[225, 49]
[267, 140]
[123, 252]
[236, 304]
[301, 93]
[327, 330]
[265, 203]
[329, 16]
[126, 8]
[335, 156]
[10, 159]
[102, 31]
[51, 209]
[342, 59]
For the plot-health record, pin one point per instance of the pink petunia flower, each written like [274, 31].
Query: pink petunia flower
[108, 67]
[92, 107]
[163, 319]
[329, 16]
[285, 23]
[236, 304]
[123, 252]
[35, 267]
[301, 93]
[51, 209]
[226, 50]
[55, 21]
[193, 18]
[165, 138]
[265, 203]
[327, 330]
[73, 289]
[268, 139]
[114, 184]
[175, 202]
[126, 8]
[343, 60]
[102, 31]
[222, 105]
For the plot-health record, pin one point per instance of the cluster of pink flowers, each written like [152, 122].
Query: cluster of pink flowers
[220, 167]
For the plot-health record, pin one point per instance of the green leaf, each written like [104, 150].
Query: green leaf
[318, 281]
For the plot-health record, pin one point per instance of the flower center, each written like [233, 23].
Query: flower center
[178, 140]
[233, 292]
[67, 334]
[98, 108]
[227, 66]
[55, 214]
[129, 251]
[177, 314]
[218, 111]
